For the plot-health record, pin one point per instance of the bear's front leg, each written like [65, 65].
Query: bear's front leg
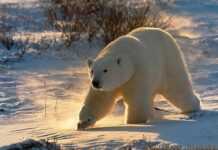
[97, 105]
[139, 107]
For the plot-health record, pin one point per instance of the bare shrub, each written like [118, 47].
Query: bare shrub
[107, 19]
[7, 41]
[6, 38]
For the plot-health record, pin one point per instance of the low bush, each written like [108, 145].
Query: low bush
[107, 19]
[6, 38]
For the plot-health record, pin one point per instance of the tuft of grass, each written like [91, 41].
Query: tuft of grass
[6, 38]
[33, 144]
[6, 41]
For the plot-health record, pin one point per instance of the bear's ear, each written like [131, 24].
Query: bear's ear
[118, 60]
[89, 62]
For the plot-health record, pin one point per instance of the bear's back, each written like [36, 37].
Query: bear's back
[149, 36]
[154, 41]
[157, 41]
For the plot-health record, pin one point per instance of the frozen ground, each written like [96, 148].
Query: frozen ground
[40, 95]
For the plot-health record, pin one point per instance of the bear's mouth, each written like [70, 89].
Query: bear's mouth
[82, 125]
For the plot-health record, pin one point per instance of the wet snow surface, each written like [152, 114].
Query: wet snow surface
[40, 95]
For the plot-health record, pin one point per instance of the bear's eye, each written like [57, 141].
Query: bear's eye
[105, 70]
[91, 72]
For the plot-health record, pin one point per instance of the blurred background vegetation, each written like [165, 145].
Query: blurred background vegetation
[75, 20]
[107, 19]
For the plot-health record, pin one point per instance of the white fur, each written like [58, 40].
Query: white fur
[151, 63]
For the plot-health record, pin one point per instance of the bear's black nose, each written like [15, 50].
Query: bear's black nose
[96, 84]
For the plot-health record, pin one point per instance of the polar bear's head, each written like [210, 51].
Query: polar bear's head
[110, 72]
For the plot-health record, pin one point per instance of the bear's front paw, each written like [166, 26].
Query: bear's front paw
[137, 121]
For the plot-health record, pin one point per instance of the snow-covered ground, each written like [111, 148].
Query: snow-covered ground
[41, 94]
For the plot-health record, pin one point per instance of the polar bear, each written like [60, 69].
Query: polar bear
[137, 66]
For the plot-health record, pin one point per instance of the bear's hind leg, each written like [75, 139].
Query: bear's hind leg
[186, 100]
